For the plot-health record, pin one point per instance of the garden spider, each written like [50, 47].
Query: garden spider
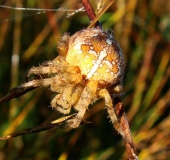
[90, 66]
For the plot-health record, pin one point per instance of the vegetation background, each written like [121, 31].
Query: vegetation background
[28, 38]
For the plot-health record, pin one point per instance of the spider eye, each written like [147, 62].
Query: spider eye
[97, 54]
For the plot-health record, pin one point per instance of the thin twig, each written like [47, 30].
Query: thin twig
[59, 123]
[90, 12]
[18, 91]
[89, 9]
[104, 8]
[123, 122]
[14, 93]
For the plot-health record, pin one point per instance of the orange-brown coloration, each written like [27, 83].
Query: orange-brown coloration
[98, 55]
[115, 69]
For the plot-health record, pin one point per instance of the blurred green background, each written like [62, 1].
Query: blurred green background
[28, 38]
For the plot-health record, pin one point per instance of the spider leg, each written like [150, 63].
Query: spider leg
[58, 65]
[42, 70]
[46, 82]
[103, 93]
[37, 83]
[76, 94]
[48, 67]
[83, 103]
[61, 81]
[26, 87]
[56, 82]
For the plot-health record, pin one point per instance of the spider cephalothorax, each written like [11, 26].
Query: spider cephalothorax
[90, 65]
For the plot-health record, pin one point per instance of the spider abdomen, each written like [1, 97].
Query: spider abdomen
[98, 55]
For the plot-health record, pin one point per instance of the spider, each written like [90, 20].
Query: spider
[90, 66]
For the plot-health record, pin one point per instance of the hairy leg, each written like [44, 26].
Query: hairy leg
[58, 65]
[103, 93]
[46, 82]
[49, 67]
[83, 103]
[76, 94]
[42, 70]
[36, 83]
